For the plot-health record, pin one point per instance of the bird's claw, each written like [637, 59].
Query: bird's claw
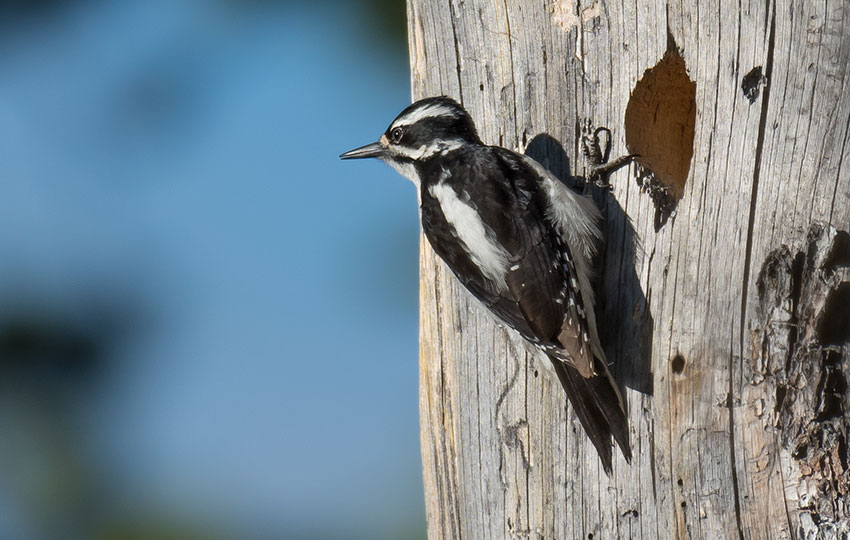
[596, 156]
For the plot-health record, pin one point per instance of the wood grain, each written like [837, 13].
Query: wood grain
[736, 390]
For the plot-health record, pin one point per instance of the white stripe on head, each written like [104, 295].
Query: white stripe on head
[480, 245]
[430, 110]
[428, 150]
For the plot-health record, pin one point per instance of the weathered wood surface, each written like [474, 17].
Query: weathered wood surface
[728, 319]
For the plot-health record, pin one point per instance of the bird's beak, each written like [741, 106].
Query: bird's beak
[370, 150]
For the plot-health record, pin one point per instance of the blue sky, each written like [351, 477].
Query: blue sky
[176, 164]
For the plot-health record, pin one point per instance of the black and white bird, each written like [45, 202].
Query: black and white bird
[519, 240]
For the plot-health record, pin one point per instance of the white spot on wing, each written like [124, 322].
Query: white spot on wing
[487, 254]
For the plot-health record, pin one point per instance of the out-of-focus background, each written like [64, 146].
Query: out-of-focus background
[207, 321]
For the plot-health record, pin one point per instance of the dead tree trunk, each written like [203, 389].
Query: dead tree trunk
[725, 284]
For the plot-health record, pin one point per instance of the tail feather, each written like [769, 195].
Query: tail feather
[599, 407]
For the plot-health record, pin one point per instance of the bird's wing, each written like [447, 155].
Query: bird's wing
[538, 291]
[543, 296]
[551, 288]
[446, 242]
[544, 281]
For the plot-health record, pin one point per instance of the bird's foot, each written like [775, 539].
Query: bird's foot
[596, 156]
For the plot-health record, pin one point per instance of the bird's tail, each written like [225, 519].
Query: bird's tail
[599, 406]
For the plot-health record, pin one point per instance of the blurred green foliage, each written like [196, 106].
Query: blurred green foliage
[388, 18]
[136, 528]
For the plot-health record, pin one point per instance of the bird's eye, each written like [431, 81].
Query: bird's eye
[396, 134]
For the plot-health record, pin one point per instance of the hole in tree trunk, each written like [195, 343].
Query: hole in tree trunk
[660, 118]
[752, 82]
[834, 325]
[678, 364]
[840, 254]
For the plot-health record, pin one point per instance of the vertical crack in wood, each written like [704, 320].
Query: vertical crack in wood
[528, 452]
[481, 474]
[675, 517]
[748, 261]
[457, 49]
[756, 174]
[451, 519]
[838, 170]
[513, 76]
[732, 457]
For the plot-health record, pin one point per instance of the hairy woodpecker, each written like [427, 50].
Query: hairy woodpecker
[519, 240]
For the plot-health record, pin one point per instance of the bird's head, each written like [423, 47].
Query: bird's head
[428, 128]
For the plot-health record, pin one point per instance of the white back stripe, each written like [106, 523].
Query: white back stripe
[575, 217]
[484, 251]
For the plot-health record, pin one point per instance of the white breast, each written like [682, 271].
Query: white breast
[482, 248]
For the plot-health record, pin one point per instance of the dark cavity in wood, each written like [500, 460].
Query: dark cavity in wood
[660, 120]
[803, 352]
[752, 82]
